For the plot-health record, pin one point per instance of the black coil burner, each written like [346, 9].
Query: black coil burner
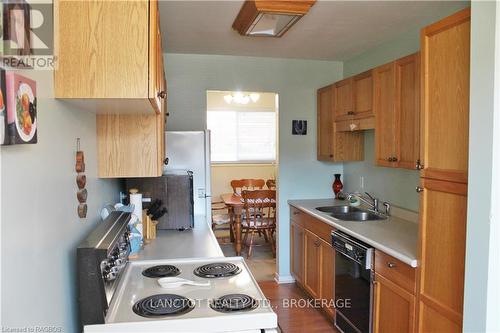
[161, 271]
[217, 269]
[163, 305]
[233, 303]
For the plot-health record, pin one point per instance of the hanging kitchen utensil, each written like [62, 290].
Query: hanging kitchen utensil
[80, 161]
[81, 180]
[82, 210]
[81, 195]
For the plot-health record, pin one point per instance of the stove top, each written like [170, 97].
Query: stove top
[160, 271]
[163, 305]
[217, 270]
[234, 303]
[229, 304]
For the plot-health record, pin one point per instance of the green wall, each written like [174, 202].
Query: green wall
[300, 176]
[396, 186]
[40, 229]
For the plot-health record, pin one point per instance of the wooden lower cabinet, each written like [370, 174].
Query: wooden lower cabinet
[297, 252]
[312, 264]
[394, 307]
[312, 259]
[328, 278]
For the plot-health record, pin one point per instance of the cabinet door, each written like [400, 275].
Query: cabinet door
[408, 111]
[343, 99]
[154, 56]
[297, 251]
[312, 264]
[127, 145]
[443, 218]
[394, 308]
[325, 123]
[363, 95]
[384, 80]
[445, 97]
[327, 277]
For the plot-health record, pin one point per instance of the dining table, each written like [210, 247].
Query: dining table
[234, 202]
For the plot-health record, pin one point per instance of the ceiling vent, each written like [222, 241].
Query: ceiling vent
[269, 18]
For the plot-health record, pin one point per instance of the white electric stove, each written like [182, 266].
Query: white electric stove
[232, 302]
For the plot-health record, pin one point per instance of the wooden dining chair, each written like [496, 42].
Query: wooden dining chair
[221, 220]
[271, 184]
[264, 202]
[247, 184]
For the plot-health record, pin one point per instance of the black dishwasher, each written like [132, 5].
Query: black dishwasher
[353, 284]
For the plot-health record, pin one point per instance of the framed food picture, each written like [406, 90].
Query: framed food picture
[21, 109]
[3, 109]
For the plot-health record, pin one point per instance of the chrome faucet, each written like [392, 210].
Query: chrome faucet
[370, 201]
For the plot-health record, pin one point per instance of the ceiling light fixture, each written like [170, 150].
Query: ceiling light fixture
[240, 98]
[269, 18]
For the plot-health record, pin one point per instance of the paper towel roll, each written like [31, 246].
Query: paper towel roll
[136, 200]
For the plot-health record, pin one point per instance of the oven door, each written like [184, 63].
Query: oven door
[353, 295]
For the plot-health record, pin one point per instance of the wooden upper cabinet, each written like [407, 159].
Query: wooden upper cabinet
[384, 81]
[343, 106]
[108, 51]
[363, 95]
[333, 145]
[445, 97]
[408, 110]
[325, 102]
[396, 105]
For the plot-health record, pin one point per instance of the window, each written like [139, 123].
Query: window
[242, 136]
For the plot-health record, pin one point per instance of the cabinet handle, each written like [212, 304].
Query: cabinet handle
[419, 189]
[296, 213]
[350, 113]
[316, 243]
[390, 159]
[331, 155]
[162, 94]
[419, 165]
[391, 265]
[394, 159]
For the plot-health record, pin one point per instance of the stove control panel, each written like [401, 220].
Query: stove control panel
[112, 266]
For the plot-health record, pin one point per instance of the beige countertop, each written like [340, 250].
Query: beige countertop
[198, 242]
[395, 236]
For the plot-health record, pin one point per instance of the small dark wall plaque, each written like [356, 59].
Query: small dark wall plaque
[299, 127]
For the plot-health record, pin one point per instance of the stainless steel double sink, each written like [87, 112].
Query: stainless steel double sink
[349, 213]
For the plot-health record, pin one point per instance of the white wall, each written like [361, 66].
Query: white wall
[482, 265]
[300, 174]
[40, 227]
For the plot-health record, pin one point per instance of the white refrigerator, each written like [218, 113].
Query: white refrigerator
[190, 150]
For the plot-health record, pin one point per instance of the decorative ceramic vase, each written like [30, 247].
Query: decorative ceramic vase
[337, 185]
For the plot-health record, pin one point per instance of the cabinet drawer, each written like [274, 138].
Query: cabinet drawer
[395, 271]
[359, 124]
[321, 229]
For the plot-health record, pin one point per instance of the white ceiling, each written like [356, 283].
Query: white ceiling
[332, 30]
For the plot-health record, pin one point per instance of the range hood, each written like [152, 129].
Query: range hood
[269, 18]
